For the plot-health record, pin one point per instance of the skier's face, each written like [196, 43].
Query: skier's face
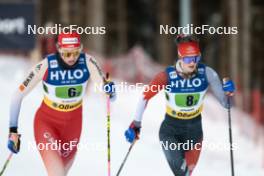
[190, 66]
[70, 55]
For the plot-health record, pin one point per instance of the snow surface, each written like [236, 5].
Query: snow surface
[146, 157]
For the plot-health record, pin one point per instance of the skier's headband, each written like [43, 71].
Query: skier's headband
[69, 40]
[188, 49]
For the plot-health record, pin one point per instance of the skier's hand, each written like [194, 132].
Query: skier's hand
[14, 142]
[109, 88]
[228, 87]
[133, 131]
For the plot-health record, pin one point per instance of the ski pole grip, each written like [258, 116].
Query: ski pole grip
[225, 79]
[106, 78]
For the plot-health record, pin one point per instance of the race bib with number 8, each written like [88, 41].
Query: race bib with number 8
[187, 100]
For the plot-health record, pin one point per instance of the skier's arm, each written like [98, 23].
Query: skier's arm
[95, 70]
[216, 86]
[156, 85]
[30, 81]
[99, 79]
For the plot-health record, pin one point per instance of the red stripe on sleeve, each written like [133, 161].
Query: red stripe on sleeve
[45, 77]
[157, 84]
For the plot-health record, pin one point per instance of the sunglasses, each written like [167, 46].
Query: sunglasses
[190, 59]
[70, 53]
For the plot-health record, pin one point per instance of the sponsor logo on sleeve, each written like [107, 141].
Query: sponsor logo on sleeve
[21, 87]
[38, 67]
[27, 81]
[201, 70]
[81, 61]
[53, 64]
[173, 75]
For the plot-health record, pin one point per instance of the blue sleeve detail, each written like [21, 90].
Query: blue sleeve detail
[168, 70]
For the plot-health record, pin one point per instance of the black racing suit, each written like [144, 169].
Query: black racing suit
[175, 131]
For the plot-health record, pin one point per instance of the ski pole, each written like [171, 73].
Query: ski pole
[230, 136]
[105, 79]
[108, 132]
[6, 163]
[124, 161]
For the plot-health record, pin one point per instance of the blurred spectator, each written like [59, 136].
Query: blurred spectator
[48, 42]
